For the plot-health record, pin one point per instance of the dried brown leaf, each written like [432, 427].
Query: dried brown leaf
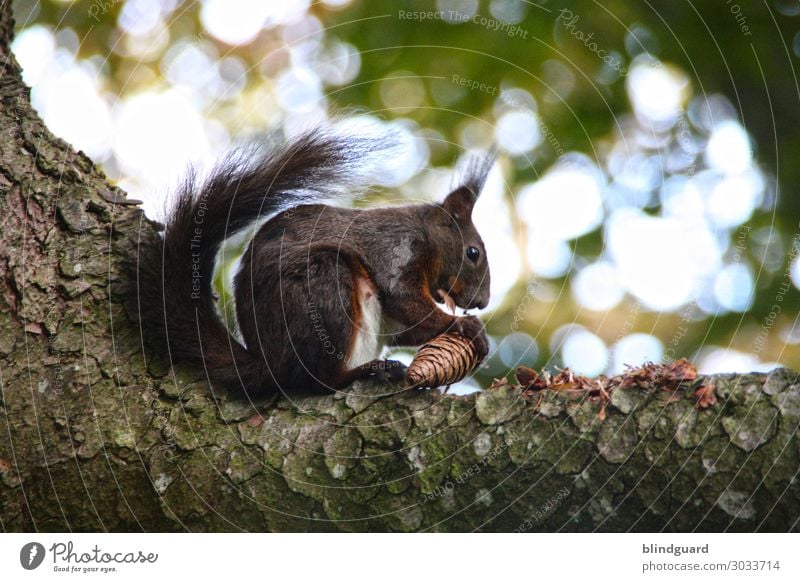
[680, 370]
[526, 375]
[561, 386]
[706, 396]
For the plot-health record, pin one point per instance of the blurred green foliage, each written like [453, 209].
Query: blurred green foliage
[746, 51]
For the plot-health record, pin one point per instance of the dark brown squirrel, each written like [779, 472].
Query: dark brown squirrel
[320, 289]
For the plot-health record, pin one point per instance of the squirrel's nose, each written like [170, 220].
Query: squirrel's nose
[479, 303]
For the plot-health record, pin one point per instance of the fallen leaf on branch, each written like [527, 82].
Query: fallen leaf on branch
[649, 376]
[565, 386]
[678, 371]
[668, 376]
[706, 396]
[526, 376]
[530, 379]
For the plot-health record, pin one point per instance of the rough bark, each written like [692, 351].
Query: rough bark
[95, 434]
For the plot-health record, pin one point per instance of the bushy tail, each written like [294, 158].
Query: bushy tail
[175, 300]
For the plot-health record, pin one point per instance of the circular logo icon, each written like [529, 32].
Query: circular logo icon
[31, 555]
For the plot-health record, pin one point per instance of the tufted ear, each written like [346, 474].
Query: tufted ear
[460, 202]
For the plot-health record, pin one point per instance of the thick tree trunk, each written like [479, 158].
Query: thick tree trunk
[95, 437]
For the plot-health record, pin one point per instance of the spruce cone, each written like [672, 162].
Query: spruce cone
[444, 360]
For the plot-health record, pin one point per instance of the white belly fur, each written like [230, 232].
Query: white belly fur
[368, 342]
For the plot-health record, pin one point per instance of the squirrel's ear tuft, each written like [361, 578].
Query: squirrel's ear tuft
[459, 202]
[477, 172]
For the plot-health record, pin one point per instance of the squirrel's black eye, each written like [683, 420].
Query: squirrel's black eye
[473, 254]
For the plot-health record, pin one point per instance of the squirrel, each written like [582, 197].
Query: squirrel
[320, 289]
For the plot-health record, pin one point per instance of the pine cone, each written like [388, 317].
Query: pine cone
[444, 360]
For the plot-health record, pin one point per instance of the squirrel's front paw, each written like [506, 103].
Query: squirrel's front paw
[387, 371]
[472, 328]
